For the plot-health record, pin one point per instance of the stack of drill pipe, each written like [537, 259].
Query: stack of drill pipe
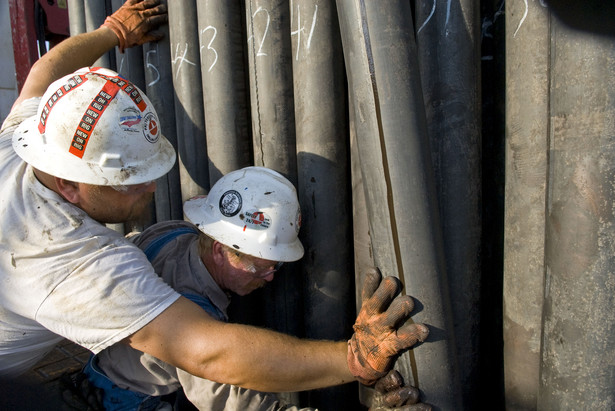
[189, 111]
[159, 89]
[76, 17]
[95, 13]
[273, 137]
[578, 344]
[389, 119]
[527, 111]
[449, 54]
[221, 25]
[323, 183]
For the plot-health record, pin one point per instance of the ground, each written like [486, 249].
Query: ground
[43, 389]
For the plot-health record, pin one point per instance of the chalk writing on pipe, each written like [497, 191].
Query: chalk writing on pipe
[522, 18]
[181, 58]
[301, 29]
[433, 10]
[260, 51]
[149, 56]
[209, 47]
[119, 70]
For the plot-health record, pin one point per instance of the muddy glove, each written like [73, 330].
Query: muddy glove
[377, 341]
[393, 395]
[134, 21]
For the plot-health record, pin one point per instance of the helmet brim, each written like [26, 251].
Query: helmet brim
[27, 144]
[237, 237]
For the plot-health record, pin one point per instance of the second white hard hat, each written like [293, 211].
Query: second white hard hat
[254, 210]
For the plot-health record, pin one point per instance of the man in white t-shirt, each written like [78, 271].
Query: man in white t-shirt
[87, 153]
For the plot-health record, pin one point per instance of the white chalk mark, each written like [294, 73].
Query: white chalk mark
[313, 26]
[298, 33]
[152, 66]
[209, 47]
[433, 10]
[522, 18]
[181, 58]
[260, 51]
[301, 29]
[121, 64]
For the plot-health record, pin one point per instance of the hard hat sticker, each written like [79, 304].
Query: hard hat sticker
[130, 119]
[90, 118]
[151, 127]
[230, 203]
[257, 220]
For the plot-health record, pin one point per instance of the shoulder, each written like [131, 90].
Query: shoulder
[162, 232]
[18, 114]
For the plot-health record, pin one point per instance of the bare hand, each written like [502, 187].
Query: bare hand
[134, 23]
[377, 341]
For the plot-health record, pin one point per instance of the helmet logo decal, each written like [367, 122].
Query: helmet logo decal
[72, 84]
[130, 117]
[150, 127]
[88, 122]
[257, 220]
[230, 203]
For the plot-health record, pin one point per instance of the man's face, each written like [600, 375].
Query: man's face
[244, 274]
[108, 205]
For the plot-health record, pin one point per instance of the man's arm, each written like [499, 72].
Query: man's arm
[250, 357]
[137, 19]
[186, 337]
[62, 60]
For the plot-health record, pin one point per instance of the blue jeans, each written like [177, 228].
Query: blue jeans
[116, 398]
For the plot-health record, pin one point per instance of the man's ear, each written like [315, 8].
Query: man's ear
[68, 189]
[217, 253]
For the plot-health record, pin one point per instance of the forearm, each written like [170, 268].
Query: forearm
[186, 337]
[268, 361]
[71, 54]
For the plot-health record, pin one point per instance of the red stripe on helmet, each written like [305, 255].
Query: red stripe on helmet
[129, 88]
[70, 85]
[91, 116]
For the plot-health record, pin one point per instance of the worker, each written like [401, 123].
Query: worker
[82, 147]
[239, 236]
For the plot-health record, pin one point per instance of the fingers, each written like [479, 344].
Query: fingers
[401, 396]
[157, 21]
[370, 283]
[387, 290]
[394, 393]
[398, 312]
[410, 334]
[142, 4]
[150, 12]
[389, 382]
[415, 407]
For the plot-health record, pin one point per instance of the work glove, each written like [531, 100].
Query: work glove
[393, 395]
[134, 22]
[377, 341]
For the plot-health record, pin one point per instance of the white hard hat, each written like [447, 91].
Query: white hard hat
[95, 127]
[253, 210]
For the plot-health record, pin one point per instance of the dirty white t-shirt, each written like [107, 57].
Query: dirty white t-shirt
[62, 274]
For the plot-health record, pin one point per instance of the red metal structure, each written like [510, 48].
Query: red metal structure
[34, 23]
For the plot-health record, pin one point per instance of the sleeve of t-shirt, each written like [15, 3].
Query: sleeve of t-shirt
[18, 114]
[106, 296]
